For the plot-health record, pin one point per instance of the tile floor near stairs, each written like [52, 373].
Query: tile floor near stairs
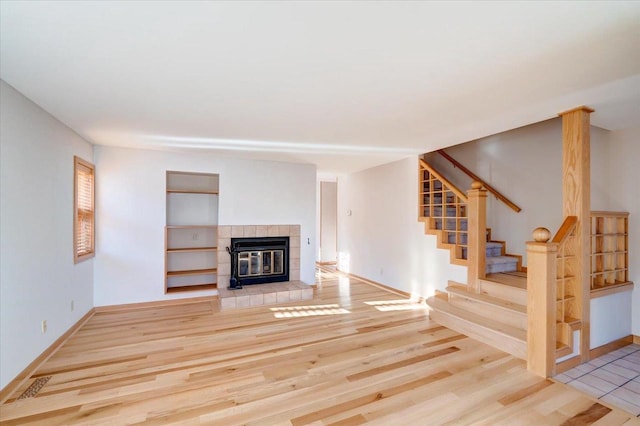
[613, 378]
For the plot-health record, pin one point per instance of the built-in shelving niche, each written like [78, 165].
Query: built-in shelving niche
[191, 233]
[609, 249]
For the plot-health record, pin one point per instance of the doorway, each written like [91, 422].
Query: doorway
[328, 221]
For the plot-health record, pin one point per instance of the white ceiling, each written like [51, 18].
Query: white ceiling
[344, 85]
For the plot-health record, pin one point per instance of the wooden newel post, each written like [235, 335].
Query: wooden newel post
[476, 235]
[541, 306]
[576, 201]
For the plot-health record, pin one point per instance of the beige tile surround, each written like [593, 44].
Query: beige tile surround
[264, 294]
[226, 232]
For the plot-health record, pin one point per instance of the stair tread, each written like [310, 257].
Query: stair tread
[443, 305]
[461, 290]
[511, 279]
[492, 260]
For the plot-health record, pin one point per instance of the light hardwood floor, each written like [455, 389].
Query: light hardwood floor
[354, 354]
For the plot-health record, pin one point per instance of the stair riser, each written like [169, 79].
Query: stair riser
[514, 347]
[512, 318]
[511, 294]
[494, 251]
[501, 267]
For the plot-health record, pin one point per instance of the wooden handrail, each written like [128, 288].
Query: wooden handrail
[451, 186]
[475, 177]
[565, 229]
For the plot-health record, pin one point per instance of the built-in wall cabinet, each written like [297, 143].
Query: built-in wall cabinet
[191, 233]
[609, 249]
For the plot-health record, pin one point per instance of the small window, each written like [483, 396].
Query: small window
[84, 210]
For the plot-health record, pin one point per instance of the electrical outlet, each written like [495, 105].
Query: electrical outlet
[44, 326]
[72, 306]
[195, 237]
[381, 271]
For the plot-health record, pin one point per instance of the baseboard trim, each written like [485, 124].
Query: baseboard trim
[610, 347]
[382, 286]
[155, 304]
[636, 340]
[24, 375]
[563, 366]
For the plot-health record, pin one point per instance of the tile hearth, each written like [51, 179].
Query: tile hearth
[264, 294]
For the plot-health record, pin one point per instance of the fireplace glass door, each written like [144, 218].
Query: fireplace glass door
[255, 263]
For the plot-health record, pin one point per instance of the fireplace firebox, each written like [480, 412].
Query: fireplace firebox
[258, 261]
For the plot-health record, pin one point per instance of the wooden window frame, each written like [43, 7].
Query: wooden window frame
[78, 254]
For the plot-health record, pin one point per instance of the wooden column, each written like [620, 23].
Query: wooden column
[576, 201]
[541, 304]
[476, 236]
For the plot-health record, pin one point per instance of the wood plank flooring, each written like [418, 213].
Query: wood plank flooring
[354, 354]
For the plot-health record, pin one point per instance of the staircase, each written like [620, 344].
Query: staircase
[497, 260]
[496, 312]
[497, 315]
[443, 209]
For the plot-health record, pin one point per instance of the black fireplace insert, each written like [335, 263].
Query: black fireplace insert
[258, 261]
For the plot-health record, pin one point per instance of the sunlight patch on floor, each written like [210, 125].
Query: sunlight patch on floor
[308, 311]
[397, 305]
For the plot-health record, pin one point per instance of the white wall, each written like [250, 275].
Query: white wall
[38, 279]
[525, 165]
[383, 239]
[131, 198]
[625, 196]
[610, 318]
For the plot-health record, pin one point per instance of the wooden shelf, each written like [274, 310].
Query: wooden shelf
[196, 287]
[609, 271]
[609, 252]
[191, 272]
[600, 291]
[190, 226]
[188, 191]
[569, 320]
[191, 249]
[613, 284]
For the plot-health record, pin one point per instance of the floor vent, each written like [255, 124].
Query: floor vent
[35, 387]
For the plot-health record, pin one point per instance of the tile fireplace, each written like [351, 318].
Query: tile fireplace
[257, 263]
